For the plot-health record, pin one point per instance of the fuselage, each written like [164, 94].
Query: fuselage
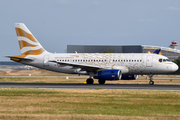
[128, 63]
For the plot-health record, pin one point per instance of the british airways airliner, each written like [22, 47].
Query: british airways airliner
[101, 66]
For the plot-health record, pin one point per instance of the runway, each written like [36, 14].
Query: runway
[86, 86]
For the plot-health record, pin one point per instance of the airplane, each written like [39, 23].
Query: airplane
[101, 66]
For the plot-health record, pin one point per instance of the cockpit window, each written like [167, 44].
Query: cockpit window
[168, 60]
[160, 60]
[164, 60]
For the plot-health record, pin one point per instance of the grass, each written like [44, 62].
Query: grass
[88, 104]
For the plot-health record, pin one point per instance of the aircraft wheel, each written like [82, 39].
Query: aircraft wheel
[89, 81]
[101, 81]
[151, 82]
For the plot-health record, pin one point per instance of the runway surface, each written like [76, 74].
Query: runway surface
[85, 86]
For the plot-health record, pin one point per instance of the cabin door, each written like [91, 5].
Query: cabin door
[149, 62]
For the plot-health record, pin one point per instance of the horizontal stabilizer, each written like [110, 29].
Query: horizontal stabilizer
[18, 59]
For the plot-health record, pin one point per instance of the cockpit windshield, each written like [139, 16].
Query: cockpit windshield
[164, 60]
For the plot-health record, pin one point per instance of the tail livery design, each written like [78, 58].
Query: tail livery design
[27, 42]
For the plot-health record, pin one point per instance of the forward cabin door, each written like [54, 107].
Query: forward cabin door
[149, 62]
[45, 62]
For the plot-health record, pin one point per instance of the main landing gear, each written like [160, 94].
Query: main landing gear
[89, 81]
[151, 82]
[101, 81]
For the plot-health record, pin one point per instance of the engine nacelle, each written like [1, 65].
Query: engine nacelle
[129, 77]
[113, 74]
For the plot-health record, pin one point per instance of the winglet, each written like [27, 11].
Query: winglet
[158, 51]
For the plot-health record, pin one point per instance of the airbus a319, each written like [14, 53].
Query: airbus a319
[101, 66]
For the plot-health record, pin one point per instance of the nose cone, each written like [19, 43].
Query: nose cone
[174, 67]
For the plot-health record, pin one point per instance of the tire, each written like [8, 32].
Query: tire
[101, 81]
[151, 82]
[89, 81]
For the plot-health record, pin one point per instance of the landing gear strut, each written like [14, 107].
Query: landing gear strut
[101, 81]
[151, 82]
[89, 81]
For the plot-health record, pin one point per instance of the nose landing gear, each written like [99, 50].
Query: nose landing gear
[151, 82]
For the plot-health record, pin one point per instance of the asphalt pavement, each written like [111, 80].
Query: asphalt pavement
[87, 86]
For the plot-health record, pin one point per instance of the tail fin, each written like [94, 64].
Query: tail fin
[27, 42]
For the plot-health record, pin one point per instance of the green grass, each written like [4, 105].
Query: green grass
[129, 103]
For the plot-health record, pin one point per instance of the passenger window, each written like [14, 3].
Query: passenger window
[137, 60]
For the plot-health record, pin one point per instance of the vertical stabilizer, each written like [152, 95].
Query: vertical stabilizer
[27, 42]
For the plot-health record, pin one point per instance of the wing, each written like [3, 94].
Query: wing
[84, 67]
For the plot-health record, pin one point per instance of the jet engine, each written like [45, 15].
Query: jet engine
[129, 77]
[113, 74]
